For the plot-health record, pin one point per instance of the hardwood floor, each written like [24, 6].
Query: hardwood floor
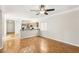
[36, 45]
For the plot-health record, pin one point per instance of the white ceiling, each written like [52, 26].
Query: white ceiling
[23, 11]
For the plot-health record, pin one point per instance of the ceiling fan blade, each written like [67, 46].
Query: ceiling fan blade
[50, 9]
[46, 13]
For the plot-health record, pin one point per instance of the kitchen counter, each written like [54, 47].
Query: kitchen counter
[29, 33]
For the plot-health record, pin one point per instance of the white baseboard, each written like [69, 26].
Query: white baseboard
[62, 41]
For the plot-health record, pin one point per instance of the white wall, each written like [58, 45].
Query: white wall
[18, 28]
[63, 27]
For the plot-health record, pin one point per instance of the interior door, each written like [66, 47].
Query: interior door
[10, 26]
[0, 29]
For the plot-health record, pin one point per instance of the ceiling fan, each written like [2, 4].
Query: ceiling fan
[43, 10]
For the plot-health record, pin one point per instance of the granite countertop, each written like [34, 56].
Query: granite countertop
[29, 29]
